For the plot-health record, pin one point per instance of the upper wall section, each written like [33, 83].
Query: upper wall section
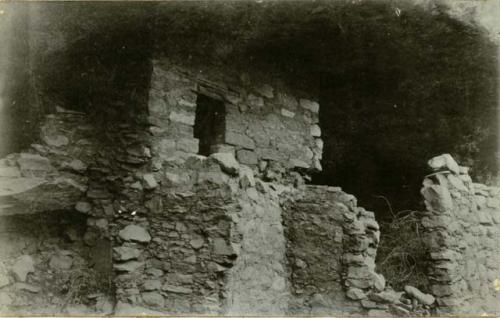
[462, 226]
[258, 124]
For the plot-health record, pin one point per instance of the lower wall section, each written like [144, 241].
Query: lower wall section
[47, 267]
[218, 240]
[462, 225]
[258, 283]
[331, 249]
[161, 234]
[175, 258]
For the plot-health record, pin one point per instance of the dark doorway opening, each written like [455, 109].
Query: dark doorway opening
[209, 123]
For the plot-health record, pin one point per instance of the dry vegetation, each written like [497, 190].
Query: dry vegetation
[402, 253]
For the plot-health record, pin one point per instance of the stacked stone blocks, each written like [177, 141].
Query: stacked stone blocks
[462, 226]
[261, 124]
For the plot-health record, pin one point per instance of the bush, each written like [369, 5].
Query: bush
[402, 252]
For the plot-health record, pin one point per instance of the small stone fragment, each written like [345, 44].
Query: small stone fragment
[22, 267]
[255, 102]
[266, 90]
[315, 131]
[355, 294]
[125, 253]
[136, 185]
[183, 118]
[300, 263]
[444, 162]
[246, 177]
[227, 162]
[197, 243]
[387, 296]
[368, 304]
[128, 266]
[33, 162]
[154, 299]
[61, 262]
[101, 224]
[56, 140]
[155, 272]
[426, 299]
[77, 165]
[309, 105]
[247, 157]
[152, 285]
[177, 278]
[176, 289]
[83, 207]
[134, 233]
[237, 139]
[285, 112]
[149, 181]
[379, 282]
[400, 311]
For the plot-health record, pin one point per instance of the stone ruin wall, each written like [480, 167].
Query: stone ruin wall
[187, 234]
[262, 124]
[462, 226]
[183, 233]
[331, 249]
[43, 247]
[237, 232]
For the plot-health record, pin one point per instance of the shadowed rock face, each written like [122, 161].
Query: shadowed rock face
[48, 177]
[176, 232]
[393, 86]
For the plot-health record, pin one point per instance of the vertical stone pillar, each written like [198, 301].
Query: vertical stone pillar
[462, 230]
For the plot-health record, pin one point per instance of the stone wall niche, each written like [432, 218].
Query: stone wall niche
[209, 125]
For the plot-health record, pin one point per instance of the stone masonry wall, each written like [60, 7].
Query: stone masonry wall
[54, 256]
[184, 234]
[331, 251]
[174, 232]
[261, 124]
[258, 283]
[462, 226]
[174, 258]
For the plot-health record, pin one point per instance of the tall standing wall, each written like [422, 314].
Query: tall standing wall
[462, 226]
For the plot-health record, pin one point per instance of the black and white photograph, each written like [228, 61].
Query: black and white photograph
[250, 158]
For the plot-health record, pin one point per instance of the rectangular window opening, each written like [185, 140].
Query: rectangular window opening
[209, 124]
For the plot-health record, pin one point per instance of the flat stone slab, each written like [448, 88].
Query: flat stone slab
[135, 233]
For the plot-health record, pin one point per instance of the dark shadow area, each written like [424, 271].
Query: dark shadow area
[19, 108]
[397, 83]
[105, 70]
[88, 57]
[412, 87]
[209, 123]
